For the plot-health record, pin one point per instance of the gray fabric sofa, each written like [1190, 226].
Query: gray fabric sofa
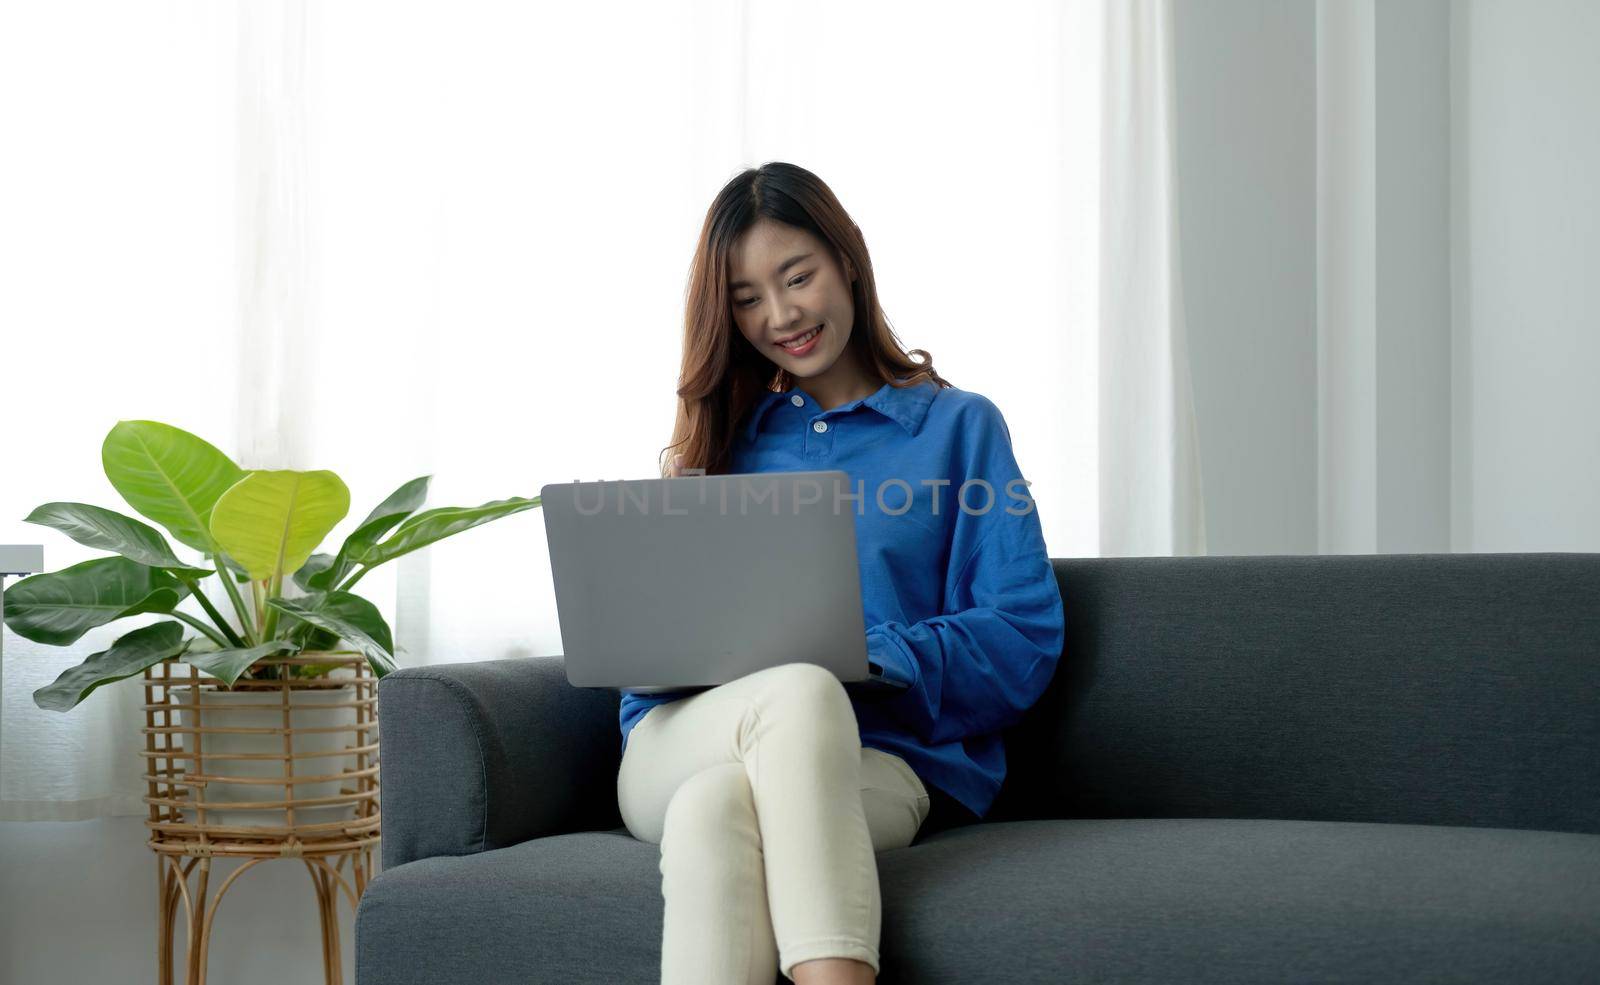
[1380, 768]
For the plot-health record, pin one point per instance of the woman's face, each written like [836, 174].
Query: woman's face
[784, 282]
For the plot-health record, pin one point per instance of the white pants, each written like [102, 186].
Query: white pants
[769, 812]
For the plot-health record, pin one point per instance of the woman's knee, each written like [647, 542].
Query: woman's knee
[712, 801]
[807, 689]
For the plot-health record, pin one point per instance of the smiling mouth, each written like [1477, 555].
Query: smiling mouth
[802, 340]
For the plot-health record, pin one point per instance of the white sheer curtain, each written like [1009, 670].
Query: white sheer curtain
[514, 215]
[116, 302]
[1150, 495]
[455, 238]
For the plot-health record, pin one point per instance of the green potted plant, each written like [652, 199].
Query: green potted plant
[257, 530]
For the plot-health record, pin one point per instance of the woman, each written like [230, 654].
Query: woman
[771, 794]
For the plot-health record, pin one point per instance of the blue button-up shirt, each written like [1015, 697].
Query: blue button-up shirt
[961, 606]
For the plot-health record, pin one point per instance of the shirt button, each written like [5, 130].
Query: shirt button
[819, 426]
[797, 400]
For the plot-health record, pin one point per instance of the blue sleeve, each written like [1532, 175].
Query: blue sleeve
[978, 667]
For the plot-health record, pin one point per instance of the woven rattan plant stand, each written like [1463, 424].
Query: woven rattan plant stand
[190, 818]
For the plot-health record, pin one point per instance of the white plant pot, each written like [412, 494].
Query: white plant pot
[264, 709]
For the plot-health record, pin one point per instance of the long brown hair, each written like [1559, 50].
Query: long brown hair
[722, 375]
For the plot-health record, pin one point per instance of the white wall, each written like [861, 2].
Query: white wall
[1346, 396]
[1383, 285]
[1412, 282]
[78, 904]
[1527, 287]
[1246, 164]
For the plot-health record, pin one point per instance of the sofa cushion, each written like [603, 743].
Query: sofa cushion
[1193, 900]
[1204, 900]
[580, 908]
[1455, 689]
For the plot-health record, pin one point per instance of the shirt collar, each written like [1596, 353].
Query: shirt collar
[906, 406]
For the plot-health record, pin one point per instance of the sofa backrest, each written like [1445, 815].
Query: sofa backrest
[1457, 689]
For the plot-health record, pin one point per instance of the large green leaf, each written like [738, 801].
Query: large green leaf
[303, 634]
[60, 606]
[307, 636]
[144, 647]
[350, 616]
[315, 565]
[170, 476]
[400, 504]
[434, 525]
[108, 530]
[271, 521]
[227, 665]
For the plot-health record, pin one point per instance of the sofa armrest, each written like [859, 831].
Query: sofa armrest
[479, 756]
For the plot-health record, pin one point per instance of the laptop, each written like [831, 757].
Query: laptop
[685, 583]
